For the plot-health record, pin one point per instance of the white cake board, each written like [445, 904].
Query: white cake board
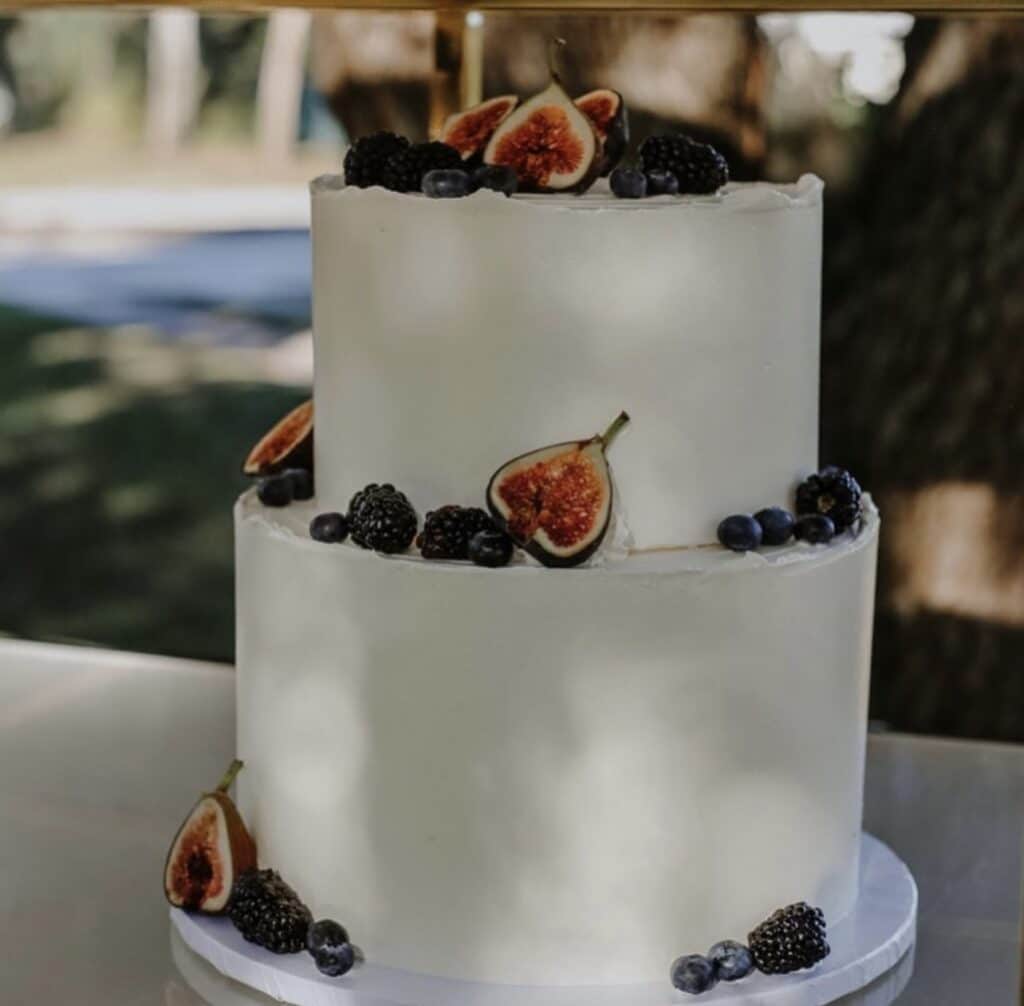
[870, 941]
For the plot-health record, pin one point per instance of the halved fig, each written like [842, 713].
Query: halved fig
[607, 113]
[556, 502]
[288, 444]
[469, 131]
[548, 142]
[212, 848]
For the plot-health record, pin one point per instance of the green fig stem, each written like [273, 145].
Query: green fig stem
[614, 430]
[553, 47]
[229, 777]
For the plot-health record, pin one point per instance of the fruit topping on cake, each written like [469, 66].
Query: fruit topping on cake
[740, 532]
[496, 177]
[328, 944]
[275, 491]
[382, 518]
[833, 492]
[693, 973]
[469, 131]
[814, 528]
[628, 183]
[288, 443]
[698, 167]
[404, 170]
[556, 502]
[548, 142]
[209, 852]
[491, 548]
[792, 939]
[329, 527]
[447, 531]
[776, 525]
[662, 183]
[447, 183]
[267, 912]
[607, 114]
[732, 961]
[366, 159]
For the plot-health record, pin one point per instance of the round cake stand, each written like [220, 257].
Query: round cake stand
[871, 941]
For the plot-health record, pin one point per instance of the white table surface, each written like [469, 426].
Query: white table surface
[101, 755]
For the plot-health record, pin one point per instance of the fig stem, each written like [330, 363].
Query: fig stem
[553, 47]
[229, 777]
[614, 430]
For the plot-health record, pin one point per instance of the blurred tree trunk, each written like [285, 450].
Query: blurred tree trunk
[282, 73]
[172, 78]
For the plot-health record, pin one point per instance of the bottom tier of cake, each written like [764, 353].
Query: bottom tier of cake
[552, 777]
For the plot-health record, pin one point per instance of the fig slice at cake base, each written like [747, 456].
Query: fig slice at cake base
[287, 444]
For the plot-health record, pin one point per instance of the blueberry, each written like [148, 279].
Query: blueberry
[327, 942]
[731, 960]
[446, 183]
[276, 490]
[628, 183]
[740, 532]
[302, 482]
[498, 177]
[329, 527]
[815, 528]
[490, 548]
[694, 974]
[662, 183]
[776, 523]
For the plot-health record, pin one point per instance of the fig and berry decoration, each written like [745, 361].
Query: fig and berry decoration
[468, 131]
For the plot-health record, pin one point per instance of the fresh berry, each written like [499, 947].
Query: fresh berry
[405, 169]
[694, 974]
[833, 492]
[793, 938]
[330, 527]
[366, 158]
[490, 548]
[815, 528]
[662, 183]
[266, 911]
[447, 530]
[302, 482]
[327, 943]
[698, 167]
[740, 532]
[382, 518]
[446, 183]
[628, 183]
[732, 960]
[498, 177]
[275, 490]
[776, 525]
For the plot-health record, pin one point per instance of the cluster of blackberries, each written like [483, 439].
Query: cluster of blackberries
[285, 486]
[791, 939]
[671, 165]
[267, 912]
[826, 503]
[434, 168]
[382, 518]
[455, 532]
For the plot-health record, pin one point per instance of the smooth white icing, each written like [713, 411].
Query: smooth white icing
[452, 335]
[552, 776]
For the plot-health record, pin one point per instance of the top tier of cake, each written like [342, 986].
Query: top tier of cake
[451, 335]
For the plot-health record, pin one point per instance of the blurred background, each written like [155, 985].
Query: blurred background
[154, 291]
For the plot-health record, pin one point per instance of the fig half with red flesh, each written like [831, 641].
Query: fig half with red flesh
[212, 847]
[288, 444]
[469, 131]
[556, 502]
[607, 113]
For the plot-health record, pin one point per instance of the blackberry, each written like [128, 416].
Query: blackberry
[405, 169]
[447, 530]
[267, 912]
[366, 158]
[382, 518]
[833, 492]
[698, 167]
[791, 939]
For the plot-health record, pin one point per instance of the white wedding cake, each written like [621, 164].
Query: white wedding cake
[547, 776]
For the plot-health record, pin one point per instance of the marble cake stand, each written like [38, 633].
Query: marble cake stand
[867, 944]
